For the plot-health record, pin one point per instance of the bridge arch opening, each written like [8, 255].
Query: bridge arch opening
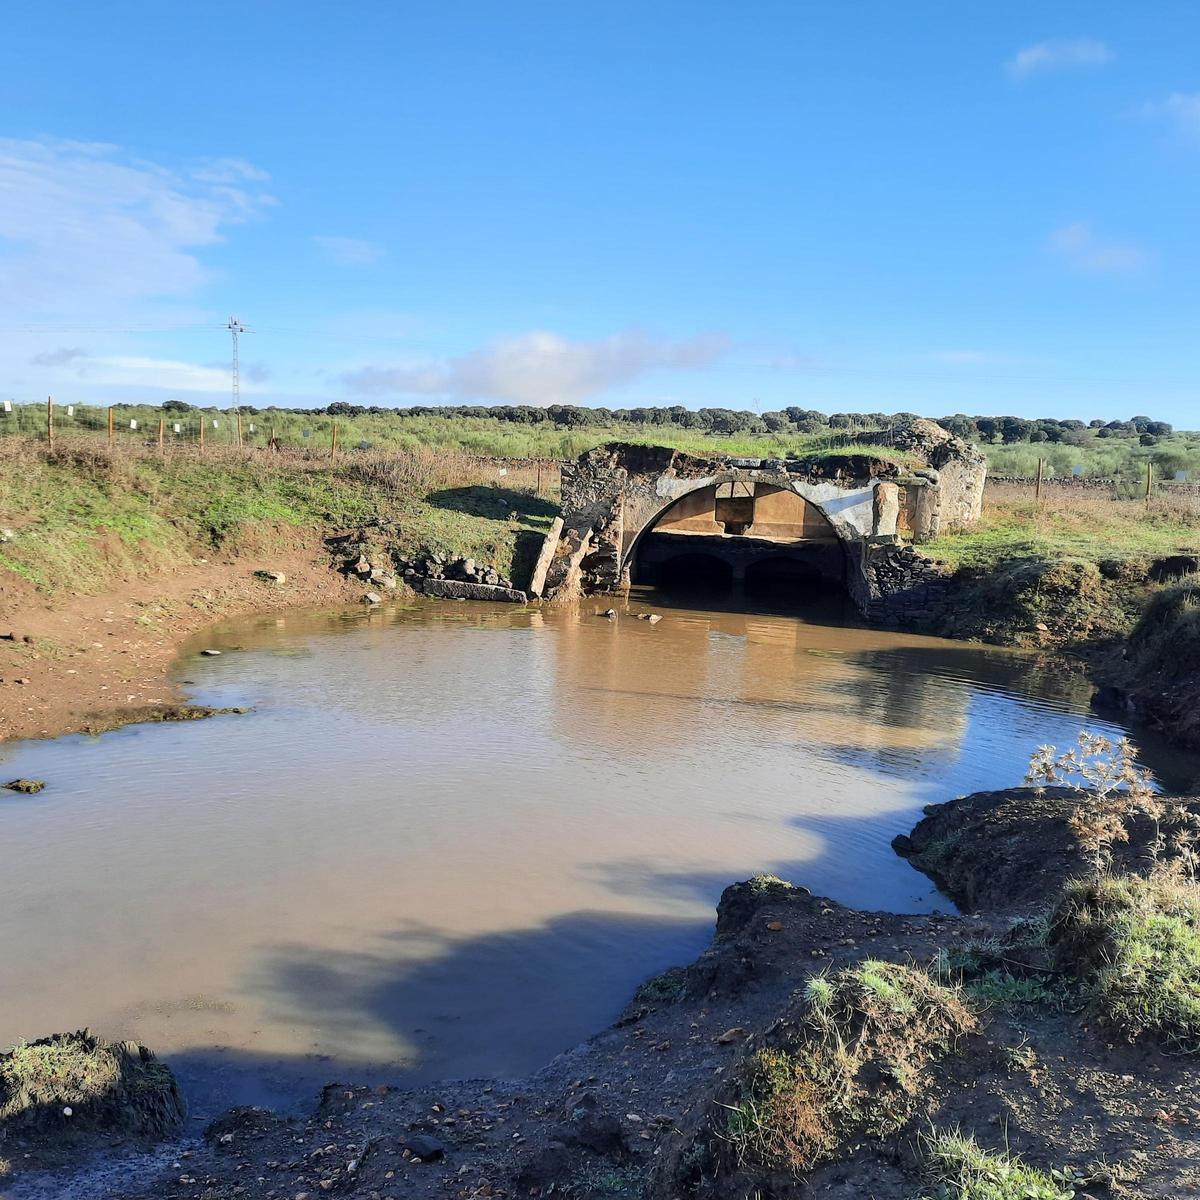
[704, 574]
[771, 544]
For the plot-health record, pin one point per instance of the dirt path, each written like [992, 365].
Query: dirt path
[97, 661]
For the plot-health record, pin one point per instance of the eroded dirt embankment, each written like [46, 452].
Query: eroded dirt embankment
[93, 662]
[656, 1106]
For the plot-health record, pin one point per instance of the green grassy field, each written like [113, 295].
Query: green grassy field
[484, 436]
[81, 517]
[1071, 523]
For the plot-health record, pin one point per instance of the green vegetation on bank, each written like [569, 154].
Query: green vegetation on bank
[1134, 944]
[1070, 523]
[961, 1169]
[875, 1021]
[81, 517]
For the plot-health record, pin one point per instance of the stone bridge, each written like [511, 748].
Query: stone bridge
[655, 515]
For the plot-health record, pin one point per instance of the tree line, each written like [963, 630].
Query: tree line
[792, 420]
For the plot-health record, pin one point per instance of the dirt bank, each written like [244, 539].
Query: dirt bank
[96, 661]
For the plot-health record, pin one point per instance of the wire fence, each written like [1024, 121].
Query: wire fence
[315, 444]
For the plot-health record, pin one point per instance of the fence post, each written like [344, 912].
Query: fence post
[110, 426]
[162, 429]
[239, 424]
[202, 431]
[50, 422]
[333, 443]
[1037, 488]
[1149, 481]
[539, 482]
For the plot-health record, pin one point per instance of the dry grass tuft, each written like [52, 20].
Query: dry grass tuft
[854, 1064]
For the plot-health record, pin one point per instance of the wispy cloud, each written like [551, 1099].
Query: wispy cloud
[1180, 109]
[348, 251]
[1057, 55]
[1082, 250]
[59, 357]
[91, 230]
[541, 368]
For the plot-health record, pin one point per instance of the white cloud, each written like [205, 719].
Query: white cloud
[1181, 109]
[90, 231]
[541, 368]
[348, 251]
[1083, 251]
[75, 368]
[1058, 55]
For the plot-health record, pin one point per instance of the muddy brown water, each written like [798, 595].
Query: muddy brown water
[451, 839]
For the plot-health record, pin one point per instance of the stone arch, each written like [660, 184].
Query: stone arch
[822, 518]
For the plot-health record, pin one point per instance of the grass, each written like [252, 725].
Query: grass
[104, 1085]
[1135, 946]
[995, 971]
[855, 1065]
[84, 518]
[1070, 523]
[489, 436]
[1162, 660]
[960, 1169]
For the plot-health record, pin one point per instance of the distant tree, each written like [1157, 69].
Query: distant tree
[177, 406]
[1015, 429]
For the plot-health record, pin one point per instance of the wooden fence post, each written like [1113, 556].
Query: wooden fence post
[110, 426]
[239, 426]
[201, 432]
[1037, 487]
[333, 442]
[162, 429]
[50, 422]
[1149, 481]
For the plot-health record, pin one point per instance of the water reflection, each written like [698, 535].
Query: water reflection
[451, 838]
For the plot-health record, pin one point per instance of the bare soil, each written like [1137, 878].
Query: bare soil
[98, 661]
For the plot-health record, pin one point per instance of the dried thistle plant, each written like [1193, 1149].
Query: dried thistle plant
[1110, 786]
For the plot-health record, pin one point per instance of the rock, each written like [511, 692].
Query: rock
[363, 566]
[372, 598]
[454, 589]
[468, 566]
[7, 535]
[547, 1166]
[731, 1035]
[210, 653]
[271, 576]
[601, 1133]
[653, 618]
[422, 1146]
[29, 787]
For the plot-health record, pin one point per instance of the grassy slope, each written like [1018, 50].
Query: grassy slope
[82, 520]
[1070, 524]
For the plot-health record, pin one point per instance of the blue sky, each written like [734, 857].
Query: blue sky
[930, 206]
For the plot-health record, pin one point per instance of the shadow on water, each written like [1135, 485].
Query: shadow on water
[497, 1005]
